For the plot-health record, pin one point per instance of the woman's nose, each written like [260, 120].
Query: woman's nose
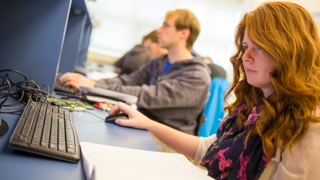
[247, 56]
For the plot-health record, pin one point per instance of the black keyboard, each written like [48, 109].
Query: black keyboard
[46, 130]
[59, 87]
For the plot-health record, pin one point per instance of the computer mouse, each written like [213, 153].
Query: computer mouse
[112, 118]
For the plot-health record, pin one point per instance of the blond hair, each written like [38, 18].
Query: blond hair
[288, 33]
[186, 20]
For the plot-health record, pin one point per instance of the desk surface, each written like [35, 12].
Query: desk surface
[21, 165]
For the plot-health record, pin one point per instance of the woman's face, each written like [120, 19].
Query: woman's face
[257, 65]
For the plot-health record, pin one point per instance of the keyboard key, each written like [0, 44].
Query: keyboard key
[53, 146]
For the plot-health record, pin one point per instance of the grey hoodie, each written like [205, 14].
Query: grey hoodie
[175, 98]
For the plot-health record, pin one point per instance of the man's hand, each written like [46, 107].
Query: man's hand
[76, 80]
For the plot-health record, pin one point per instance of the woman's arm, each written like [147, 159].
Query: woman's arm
[183, 143]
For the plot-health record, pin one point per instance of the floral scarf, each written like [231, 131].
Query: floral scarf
[229, 158]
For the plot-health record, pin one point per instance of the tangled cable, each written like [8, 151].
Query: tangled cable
[22, 91]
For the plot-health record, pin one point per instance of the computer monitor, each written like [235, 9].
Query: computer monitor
[31, 36]
[76, 37]
[72, 41]
[82, 55]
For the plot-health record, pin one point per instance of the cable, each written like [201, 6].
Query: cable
[94, 115]
[7, 95]
[22, 91]
[16, 71]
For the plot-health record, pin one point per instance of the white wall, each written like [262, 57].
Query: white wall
[123, 23]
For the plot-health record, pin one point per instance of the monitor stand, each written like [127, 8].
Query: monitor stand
[3, 127]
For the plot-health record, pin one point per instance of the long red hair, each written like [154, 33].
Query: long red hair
[288, 33]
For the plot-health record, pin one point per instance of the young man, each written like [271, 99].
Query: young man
[140, 55]
[172, 88]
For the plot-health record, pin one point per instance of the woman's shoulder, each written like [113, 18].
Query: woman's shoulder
[317, 112]
[307, 149]
[300, 161]
[312, 136]
[313, 133]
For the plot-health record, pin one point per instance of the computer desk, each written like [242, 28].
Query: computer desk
[17, 165]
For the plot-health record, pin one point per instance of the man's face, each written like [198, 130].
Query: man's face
[168, 35]
[152, 47]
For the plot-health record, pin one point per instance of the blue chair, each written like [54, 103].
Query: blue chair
[213, 110]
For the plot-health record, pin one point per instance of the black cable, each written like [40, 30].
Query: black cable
[8, 94]
[80, 97]
[94, 115]
[22, 91]
[8, 87]
[16, 71]
[25, 91]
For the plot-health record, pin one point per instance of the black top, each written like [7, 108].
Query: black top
[133, 59]
[217, 71]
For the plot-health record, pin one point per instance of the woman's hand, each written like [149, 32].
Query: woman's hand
[179, 141]
[136, 119]
[76, 80]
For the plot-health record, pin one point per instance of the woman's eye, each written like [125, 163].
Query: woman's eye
[244, 48]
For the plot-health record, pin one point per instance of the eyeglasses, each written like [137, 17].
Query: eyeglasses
[151, 46]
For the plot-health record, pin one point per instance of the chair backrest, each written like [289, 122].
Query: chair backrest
[213, 110]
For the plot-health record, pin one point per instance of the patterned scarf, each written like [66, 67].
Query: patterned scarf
[229, 158]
